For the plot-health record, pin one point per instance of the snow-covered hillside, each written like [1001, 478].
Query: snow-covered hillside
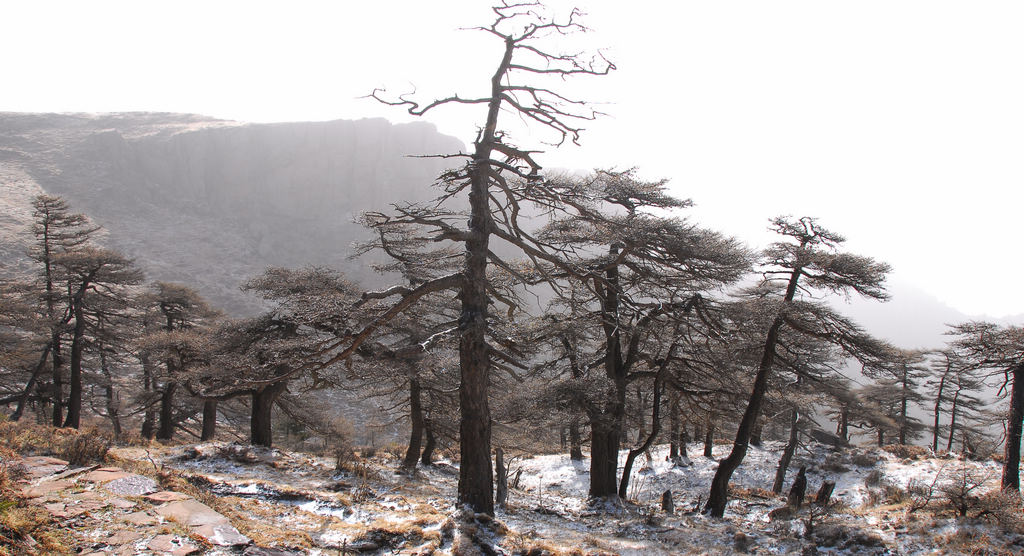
[882, 504]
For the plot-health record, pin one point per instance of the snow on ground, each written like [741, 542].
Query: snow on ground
[549, 507]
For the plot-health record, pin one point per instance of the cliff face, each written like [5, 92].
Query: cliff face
[210, 202]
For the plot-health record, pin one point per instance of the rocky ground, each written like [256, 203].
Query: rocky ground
[107, 510]
[224, 498]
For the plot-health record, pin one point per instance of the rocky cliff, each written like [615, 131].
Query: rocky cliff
[211, 202]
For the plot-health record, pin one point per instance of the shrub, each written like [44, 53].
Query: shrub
[86, 447]
[339, 443]
[962, 492]
[864, 459]
[874, 478]
[1004, 508]
[907, 451]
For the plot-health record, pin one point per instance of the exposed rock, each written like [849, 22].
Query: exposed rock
[203, 521]
[140, 518]
[46, 487]
[105, 475]
[172, 544]
[37, 467]
[123, 537]
[132, 485]
[166, 496]
[261, 551]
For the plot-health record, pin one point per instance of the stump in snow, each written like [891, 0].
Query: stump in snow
[824, 495]
[666, 503]
[799, 488]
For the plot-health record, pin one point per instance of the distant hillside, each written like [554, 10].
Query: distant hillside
[211, 202]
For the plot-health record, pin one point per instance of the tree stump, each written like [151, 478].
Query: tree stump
[824, 495]
[666, 502]
[799, 488]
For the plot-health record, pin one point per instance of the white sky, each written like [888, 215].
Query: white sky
[898, 123]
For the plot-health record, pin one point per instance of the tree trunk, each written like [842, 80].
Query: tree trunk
[684, 439]
[260, 422]
[844, 423]
[31, 384]
[673, 423]
[209, 420]
[655, 430]
[1014, 426]
[787, 453]
[718, 496]
[709, 441]
[938, 406]
[575, 440]
[412, 453]
[881, 437]
[113, 403]
[74, 415]
[429, 444]
[476, 487]
[755, 434]
[501, 493]
[58, 382]
[903, 408]
[165, 432]
[953, 409]
[149, 415]
[605, 437]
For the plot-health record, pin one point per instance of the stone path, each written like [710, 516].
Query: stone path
[112, 511]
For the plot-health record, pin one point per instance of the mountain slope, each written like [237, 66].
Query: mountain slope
[211, 202]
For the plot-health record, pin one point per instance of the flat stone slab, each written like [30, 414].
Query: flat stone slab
[172, 544]
[132, 485]
[105, 475]
[121, 503]
[140, 518]
[191, 512]
[56, 509]
[166, 496]
[46, 487]
[71, 472]
[37, 467]
[123, 537]
[223, 534]
[203, 521]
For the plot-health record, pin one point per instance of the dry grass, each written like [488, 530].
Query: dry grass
[908, 451]
[754, 493]
[526, 544]
[78, 447]
[25, 528]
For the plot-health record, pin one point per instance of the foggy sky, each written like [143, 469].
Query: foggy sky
[898, 124]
